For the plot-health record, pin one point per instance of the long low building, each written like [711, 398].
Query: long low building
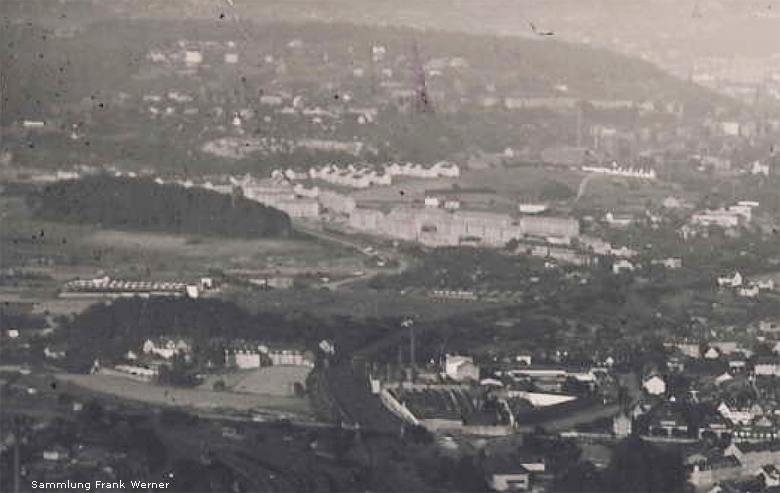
[437, 227]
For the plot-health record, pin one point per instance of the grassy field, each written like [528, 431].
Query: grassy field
[83, 250]
[270, 380]
[202, 399]
[509, 184]
[627, 194]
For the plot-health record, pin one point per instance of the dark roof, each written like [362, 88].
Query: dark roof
[720, 463]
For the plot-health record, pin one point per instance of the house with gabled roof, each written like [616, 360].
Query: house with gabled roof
[732, 281]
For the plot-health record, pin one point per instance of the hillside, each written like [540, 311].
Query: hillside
[42, 68]
[141, 204]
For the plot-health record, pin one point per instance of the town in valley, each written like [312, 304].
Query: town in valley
[349, 246]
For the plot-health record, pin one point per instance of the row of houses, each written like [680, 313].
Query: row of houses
[616, 170]
[365, 176]
[246, 355]
[107, 287]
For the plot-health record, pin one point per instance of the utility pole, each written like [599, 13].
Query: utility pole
[17, 466]
[412, 360]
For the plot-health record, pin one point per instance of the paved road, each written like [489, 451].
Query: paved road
[583, 187]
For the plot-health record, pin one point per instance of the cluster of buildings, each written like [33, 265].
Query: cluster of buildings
[247, 355]
[193, 53]
[364, 176]
[739, 461]
[155, 353]
[725, 217]
[745, 288]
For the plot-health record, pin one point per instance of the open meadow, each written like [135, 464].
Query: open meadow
[65, 251]
[269, 380]
[201, 399]
[628, 195]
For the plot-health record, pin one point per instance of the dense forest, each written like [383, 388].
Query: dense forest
[141, 204]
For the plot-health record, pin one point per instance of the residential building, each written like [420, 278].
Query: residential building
[767, 366]
[730, 281]
[622, 265]
[56, 453]
[760, 429]
[622, 424]
[669, 263]
[710, 471]
[667, 421]
[292, 357]
[166, 348]
[750, 291]
[654, 384]
[461, 368]
[736, 414]
[755, 455]
[244, 355]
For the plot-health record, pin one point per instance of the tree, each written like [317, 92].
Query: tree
[418, 434]
[579, 477]
[639, 466]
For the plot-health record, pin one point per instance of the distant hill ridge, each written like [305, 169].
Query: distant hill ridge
[74, 69]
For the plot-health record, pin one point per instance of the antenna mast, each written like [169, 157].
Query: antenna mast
[422, 103]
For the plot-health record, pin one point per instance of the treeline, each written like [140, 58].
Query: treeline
[142, 204]
[465, 268]
[107, 331]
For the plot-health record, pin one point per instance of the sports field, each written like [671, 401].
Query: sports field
[202, 399]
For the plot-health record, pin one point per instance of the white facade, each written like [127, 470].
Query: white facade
[768, 367]
[193, 58]
[243, 358]
[166, 348]
[460, 368]
[654, 385]
[731, 282]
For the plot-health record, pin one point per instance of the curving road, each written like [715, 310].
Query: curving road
[345, 240]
